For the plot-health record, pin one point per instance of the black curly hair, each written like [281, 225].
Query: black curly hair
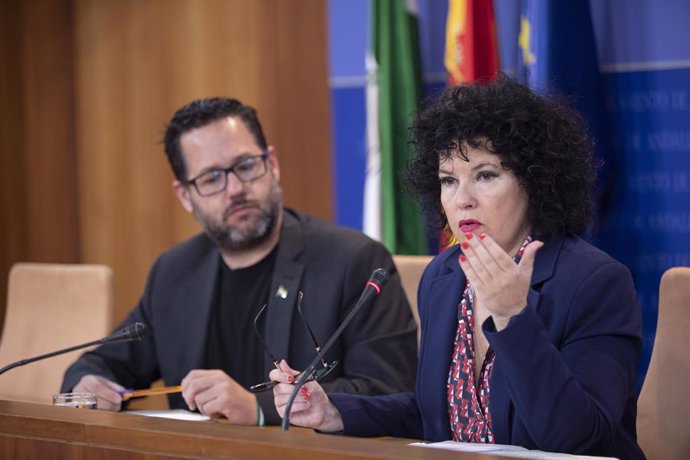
[541, 140]
[202, 112]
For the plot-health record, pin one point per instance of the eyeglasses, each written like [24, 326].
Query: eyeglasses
[317, 375]
[215, 180]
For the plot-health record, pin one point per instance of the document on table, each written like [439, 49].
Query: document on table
[504, 450]
[176, 414]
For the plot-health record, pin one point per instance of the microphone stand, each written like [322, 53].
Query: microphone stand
[378, 275]
[129, 333]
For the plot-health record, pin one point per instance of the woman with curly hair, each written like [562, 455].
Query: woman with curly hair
[530, 335]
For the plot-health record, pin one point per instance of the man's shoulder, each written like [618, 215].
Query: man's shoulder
[196, 255]
[317, 232]
[196, 247]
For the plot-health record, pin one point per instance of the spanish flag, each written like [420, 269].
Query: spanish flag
[471, 53]
[471, 43]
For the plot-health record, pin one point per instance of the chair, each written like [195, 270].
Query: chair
[663, 412]
[410, 269]
[50, 307]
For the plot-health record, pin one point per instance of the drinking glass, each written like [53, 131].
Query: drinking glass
[76, 400]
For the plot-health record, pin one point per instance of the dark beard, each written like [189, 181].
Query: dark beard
[232, 239]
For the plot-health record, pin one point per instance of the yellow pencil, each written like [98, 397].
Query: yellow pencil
[129, 393]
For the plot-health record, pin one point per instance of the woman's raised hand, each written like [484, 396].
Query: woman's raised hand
[499, 283]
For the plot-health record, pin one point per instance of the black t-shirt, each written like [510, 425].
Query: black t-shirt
[233, 345]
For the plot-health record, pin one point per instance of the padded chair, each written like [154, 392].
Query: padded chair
[50, 307]
[663, 411]
[410, 269]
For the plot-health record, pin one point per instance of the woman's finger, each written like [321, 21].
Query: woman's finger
[502, 260]
[285, 375]
[527, 261]
[484, 267]
[477, 271]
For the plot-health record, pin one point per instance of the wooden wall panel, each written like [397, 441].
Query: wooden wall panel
[87, 87]
[140, 60]
[37, 153]
[12, 174]
[305, 141]
[51, 187]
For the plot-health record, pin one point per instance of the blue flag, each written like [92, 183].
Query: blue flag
[557, 54]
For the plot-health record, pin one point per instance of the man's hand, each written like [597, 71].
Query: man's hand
[107, 395]
[215, 394]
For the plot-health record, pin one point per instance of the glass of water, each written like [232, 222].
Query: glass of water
[76, 400]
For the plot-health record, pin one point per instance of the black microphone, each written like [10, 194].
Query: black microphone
[127, 334]
[372, 288]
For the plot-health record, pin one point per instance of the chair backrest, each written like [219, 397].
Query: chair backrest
[663, 412]
[410, 269]
[50, 307]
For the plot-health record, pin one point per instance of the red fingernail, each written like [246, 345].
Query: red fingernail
[307, 397]
[303, 390]
[465, 245]
[468, 236]
[462, 258]
[482, 236]
[290, 378]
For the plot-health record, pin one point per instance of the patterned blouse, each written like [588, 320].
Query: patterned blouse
[468, 404]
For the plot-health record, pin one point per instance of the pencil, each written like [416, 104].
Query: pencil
[129, 393]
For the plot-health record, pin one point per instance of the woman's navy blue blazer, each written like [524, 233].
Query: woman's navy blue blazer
[565, 369]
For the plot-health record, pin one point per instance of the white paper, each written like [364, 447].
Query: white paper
[504, 450]
[176, 414]
[470, 447]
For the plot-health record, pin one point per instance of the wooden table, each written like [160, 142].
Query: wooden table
[34, 431]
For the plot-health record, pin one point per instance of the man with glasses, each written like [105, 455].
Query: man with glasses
[260, 284]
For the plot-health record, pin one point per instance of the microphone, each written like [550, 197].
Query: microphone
[128, 333]
[372, 288]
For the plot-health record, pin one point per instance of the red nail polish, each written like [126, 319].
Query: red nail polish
[307, 397]
[482, 236]
[290, 378]
[465, 245]
[468, 236]
[462, 258]
[303, 390]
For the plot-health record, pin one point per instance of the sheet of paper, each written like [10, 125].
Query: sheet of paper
[470, 447]
[504, 450]
[177, 414]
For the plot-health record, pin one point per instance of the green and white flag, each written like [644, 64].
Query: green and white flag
[392, 215]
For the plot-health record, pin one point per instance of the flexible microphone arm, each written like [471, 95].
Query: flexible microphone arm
[127, 334]
[371, 290]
